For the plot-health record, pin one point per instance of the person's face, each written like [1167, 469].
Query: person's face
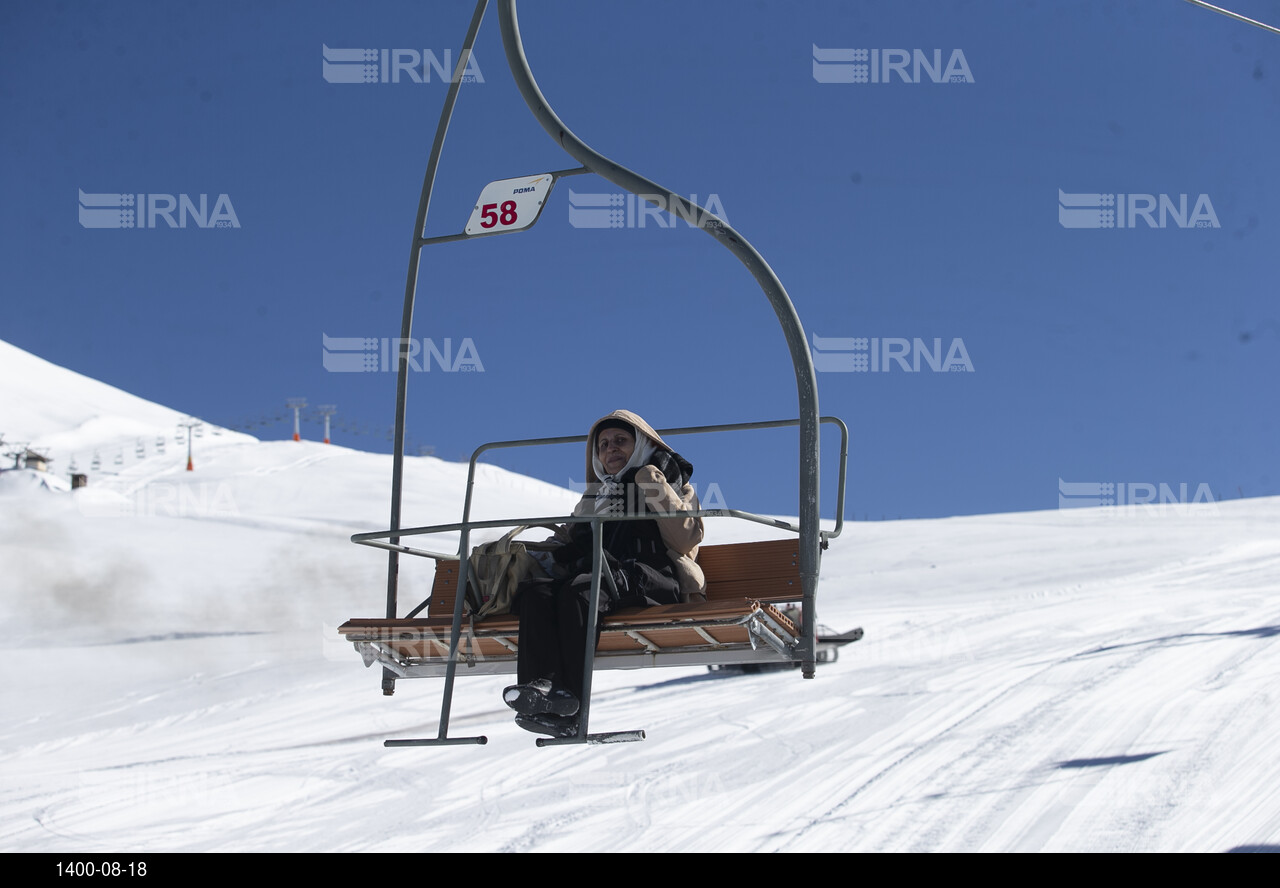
[614, 448]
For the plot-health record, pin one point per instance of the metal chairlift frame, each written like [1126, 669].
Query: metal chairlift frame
[811, 538]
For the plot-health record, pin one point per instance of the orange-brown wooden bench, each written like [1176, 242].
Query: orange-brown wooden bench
[740, 622]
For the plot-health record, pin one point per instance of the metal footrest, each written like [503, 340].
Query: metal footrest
[594, 739]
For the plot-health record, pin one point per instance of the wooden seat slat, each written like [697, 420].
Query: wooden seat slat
[742, 561]
[768, 571]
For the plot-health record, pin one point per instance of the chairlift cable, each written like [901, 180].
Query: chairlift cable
[1235, 15]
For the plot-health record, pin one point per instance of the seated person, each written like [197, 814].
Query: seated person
[630, 470]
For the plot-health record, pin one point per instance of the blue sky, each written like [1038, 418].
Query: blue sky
[892, 211]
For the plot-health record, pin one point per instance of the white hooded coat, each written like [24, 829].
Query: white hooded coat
[682, 536]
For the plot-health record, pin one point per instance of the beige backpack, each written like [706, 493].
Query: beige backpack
[495, 573]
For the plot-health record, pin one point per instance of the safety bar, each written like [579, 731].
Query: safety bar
[373, 538]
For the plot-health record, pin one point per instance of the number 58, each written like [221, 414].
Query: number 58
[491, 218]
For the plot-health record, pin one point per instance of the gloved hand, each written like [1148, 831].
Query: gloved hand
[674, 467]
[666, 464]
[578, 547]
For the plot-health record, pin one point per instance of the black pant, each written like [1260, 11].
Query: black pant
[553, 635]
[553, 619]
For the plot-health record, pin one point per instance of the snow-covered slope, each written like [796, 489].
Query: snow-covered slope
[255, 530]
[1092, 679]
[73, 419]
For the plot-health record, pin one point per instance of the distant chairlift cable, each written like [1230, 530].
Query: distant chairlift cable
[1236, 16]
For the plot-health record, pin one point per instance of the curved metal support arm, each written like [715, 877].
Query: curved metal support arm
[411, 287]
[806, 381]
[406, 318]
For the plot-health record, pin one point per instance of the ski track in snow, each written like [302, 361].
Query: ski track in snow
[1125, 713]
[970, 770]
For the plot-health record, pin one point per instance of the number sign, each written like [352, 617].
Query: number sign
[509, 204]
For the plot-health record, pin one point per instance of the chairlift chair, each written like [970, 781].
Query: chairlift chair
[748, 583]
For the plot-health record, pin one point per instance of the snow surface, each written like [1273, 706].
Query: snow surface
[1083, 680]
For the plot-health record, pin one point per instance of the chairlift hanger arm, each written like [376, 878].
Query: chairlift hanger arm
[802, 361]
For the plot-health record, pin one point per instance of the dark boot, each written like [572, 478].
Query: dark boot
[551, 725]
[540, 697]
